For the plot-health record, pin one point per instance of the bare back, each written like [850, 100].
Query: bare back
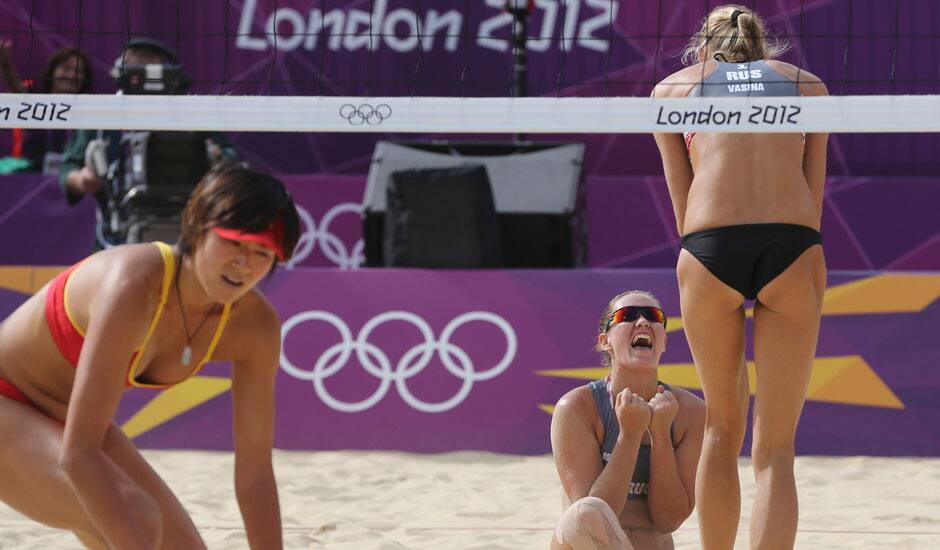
[740, 178]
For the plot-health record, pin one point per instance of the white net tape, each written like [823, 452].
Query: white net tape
[568, 115]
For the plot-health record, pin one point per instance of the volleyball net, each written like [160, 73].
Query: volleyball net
[480, 66]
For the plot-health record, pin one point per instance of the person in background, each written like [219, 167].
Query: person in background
[91, 154]
[68, 71]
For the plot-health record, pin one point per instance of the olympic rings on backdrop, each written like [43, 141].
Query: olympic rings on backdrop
[376, 362]
[365, 113]
[332, 246]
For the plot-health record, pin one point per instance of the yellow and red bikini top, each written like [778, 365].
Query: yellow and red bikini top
[70, 338]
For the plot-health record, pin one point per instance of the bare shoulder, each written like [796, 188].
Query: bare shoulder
[253, 321]
[575, 422]
[810, 84]
[680, 83]
[577, 402]
[129, 270]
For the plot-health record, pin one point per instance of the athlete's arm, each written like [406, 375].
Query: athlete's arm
[675, 157]
[257, 345]
[671, 494]
[577, 457]
[814, 153]
[117, 320]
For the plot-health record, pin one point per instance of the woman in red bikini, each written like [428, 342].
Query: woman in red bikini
[147, 315]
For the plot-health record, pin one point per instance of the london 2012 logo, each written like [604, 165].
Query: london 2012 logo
[457, 361]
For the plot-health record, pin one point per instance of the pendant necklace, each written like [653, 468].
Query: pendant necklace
[188, 348]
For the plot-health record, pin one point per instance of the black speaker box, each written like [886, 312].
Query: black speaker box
[441, 218]
[536, 188]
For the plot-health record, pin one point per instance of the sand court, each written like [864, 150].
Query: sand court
[356, 500]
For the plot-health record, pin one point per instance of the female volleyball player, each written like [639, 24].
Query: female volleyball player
[748, 207]
[626, 447]
[147, 315]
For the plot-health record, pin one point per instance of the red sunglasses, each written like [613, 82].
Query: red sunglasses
[631, 313]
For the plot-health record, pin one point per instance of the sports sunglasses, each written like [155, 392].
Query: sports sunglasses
[631, 313]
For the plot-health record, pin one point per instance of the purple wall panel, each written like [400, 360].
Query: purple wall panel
[868, 223]
[431, 361]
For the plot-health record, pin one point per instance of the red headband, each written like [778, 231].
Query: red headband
[271, 237]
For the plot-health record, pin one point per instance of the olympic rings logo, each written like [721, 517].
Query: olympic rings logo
[365, 113]
[376, 362]
[332, 246]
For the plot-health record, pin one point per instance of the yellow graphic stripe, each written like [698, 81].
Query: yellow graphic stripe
[174, 401]
[847, 379]
[889, 293]
[26, 279]
[589, 373]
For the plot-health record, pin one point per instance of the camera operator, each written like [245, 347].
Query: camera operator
[93, 158]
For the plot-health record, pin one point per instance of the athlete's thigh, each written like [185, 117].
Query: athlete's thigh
[713, 321]
[32, 482]
[786, 329]
[179, 530]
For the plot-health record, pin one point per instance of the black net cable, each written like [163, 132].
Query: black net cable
[29, 52]
[466, 48]
[894, 59]
[610, 47]
[848, 41]
[179, 17]
[417, 68]
[513, 51]
[79, 74]
[273, 50]
[225, 51]
[799, 67]
[559, 80]
[368, 91]
[127, 29]
[897, 42]
[703, 39]
[659, 42]
[322, 71]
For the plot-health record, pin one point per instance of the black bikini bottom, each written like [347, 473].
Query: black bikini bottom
[747, 257]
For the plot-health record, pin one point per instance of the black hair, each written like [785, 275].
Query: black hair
[234, 197]
[60, 57]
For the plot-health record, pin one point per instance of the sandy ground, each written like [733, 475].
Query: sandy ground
[385, 500]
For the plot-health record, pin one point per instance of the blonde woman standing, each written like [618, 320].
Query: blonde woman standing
[748, 207]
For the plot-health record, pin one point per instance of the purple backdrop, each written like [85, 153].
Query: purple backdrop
[325, 48]
[878, 353]
[868, 223]
[429, 361]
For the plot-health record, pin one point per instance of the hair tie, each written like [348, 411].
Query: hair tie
[734, 17]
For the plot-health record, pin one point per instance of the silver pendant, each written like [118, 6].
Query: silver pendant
[187, 355]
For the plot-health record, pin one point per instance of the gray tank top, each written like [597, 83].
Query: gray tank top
[639, 483]
[753, 78]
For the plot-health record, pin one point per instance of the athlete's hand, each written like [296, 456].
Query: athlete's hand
[633, 414]
[664, 406]
[6, 46]
[83, 181]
